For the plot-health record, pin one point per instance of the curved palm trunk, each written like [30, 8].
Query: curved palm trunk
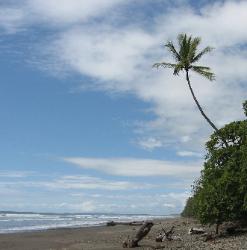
[198, 105]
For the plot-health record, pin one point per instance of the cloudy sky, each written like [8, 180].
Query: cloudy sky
[87, 125]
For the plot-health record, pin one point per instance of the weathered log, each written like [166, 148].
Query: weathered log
[132, 223]
[196, 231]
[165, 235]
[141, 233]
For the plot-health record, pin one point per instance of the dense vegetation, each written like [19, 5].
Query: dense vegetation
[220, 194]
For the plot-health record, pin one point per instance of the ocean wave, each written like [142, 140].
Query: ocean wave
[51, 226]
[18, 222]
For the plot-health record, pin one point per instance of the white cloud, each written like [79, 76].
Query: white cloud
[15, 174]
[189, 153]
[55, 13]
[149, 143]
[77, 183]
[137, 167]
[83, 207]
[11, 19]
[169, 205]
[119, 59]
[185, 138]
[72, 11]
[103, 52]
[88, 182]
[220, 24]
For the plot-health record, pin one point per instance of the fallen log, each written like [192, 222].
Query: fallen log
[132, 223]
[196, 231]
[141, 233]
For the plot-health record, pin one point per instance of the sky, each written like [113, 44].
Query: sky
[87, 125]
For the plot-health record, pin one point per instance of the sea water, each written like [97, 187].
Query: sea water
[11, 222]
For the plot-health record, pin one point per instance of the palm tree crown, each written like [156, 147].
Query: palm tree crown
[186, 56]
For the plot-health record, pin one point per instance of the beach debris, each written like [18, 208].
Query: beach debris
[167, 235]
[231, 228]
[176, 237]
[141, 233]
[195, 230]
[209, 237]
[132, 223]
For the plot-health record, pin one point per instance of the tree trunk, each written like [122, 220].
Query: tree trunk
[198, 105]
[201, 110]
[217, 228]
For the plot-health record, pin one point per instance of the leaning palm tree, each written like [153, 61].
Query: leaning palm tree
[185, 58]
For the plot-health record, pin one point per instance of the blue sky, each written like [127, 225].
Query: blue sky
[87, 125]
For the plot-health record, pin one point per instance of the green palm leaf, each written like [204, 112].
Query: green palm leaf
[203, 52]
[204, 71]
[179, 67]
[164, 65]
[174, 52]
[193, 48]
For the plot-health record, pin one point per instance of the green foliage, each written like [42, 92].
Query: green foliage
[186, 56]
[189, 210]
[221, 192]
[245, 107]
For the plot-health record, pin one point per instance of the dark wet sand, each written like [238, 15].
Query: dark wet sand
[111, 238]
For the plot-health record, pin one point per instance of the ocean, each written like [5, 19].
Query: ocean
[11, 222]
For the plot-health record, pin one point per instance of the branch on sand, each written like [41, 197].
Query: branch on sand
[141, 233]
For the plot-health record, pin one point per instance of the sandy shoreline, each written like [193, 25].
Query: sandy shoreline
[111, 238]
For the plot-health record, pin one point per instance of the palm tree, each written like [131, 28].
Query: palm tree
[185, 58]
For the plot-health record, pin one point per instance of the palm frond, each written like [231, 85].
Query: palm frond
[164, 65]
[204, 71]
[179, 67]
[187, 48]
[203, 52]
[180, 38]
[193, 48]
[196, 42]
[172, 49]
[200, 67]
[183, 47]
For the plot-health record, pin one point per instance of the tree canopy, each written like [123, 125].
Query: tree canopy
[220, 194]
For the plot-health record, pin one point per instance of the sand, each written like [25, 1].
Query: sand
[111, 238]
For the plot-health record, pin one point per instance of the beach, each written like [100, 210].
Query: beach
[111, 238]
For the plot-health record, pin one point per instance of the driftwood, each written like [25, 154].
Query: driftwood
[196, 231]
[208, 237]
[165, 235]
[132, 223]
[141, 233]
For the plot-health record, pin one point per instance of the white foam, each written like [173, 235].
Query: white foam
[11, 223]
